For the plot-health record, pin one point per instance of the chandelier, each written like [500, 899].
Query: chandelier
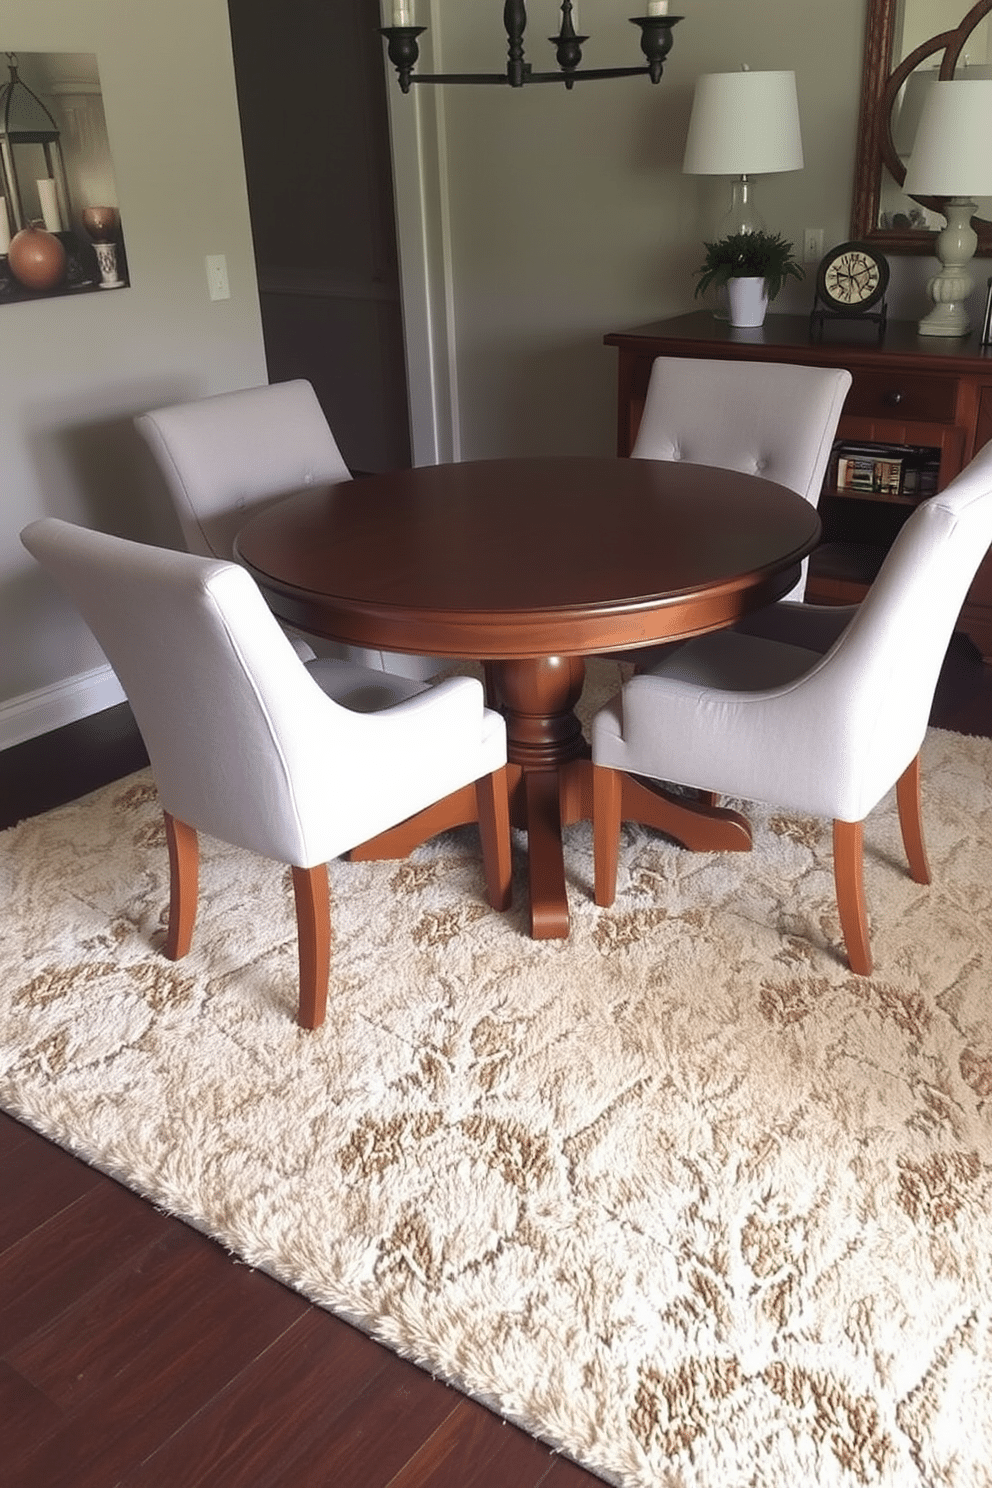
[656, 42]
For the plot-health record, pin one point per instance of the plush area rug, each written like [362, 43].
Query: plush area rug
[681, 1195]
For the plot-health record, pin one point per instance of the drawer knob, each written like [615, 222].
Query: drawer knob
[893, 398]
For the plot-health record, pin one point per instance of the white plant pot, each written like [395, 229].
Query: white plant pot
[748, 300]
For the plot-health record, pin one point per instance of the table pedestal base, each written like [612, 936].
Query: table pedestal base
[550, 782]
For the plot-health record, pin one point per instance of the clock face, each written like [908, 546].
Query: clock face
[852, 277]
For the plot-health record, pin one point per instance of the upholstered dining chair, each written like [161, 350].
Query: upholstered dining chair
[763, 418]
[225, 456]
[298, 762]
[821, 713]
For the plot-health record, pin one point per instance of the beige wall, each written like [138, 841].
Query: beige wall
[566, 215]
[74, 370]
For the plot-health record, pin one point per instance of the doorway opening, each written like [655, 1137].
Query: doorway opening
[311, 95]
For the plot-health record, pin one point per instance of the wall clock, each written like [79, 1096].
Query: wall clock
[850, 283]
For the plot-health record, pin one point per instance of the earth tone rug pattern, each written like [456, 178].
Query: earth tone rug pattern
[680, 1195]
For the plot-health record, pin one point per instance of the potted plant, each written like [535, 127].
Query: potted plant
[753, 266]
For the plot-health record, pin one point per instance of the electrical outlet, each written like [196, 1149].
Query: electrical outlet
[812, 244]
[217, 276]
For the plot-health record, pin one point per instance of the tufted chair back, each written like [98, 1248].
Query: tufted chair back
[762, 418]
[223, 456]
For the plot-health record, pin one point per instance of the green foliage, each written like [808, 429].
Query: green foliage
[753, 255]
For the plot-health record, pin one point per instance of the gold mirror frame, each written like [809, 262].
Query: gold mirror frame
[880, 85]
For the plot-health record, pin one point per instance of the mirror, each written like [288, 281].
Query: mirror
[908, 43]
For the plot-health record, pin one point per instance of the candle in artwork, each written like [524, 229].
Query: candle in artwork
[657, 7]
[4, 228]
[49, 205]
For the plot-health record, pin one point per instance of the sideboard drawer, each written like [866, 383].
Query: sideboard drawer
[903, 395]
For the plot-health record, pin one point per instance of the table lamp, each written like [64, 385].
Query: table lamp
[952, 158]
[743, 124]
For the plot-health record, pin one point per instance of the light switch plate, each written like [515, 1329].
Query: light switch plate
[812, 244]
[217, 276]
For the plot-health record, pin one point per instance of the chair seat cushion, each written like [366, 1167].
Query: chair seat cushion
[362, 689]
[736, 662]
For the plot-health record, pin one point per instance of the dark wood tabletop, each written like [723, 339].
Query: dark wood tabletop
[527, 557]
[528, 565]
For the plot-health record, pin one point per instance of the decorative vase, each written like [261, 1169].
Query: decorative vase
[748, 299]
[36, 258]
[106, 257]
[101, 223]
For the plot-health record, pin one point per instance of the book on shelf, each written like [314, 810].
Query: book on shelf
[870, 474]
[887, 471]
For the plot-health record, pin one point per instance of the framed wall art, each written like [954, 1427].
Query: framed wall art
[60, 225]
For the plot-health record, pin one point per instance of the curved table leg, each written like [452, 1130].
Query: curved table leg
[543, 735]
[538, 810]
[696, 824]
[550, 784]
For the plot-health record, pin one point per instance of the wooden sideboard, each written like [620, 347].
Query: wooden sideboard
[907, 389]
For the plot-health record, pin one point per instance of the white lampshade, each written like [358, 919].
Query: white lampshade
[906, 121]
[744, 124]
[952, 152]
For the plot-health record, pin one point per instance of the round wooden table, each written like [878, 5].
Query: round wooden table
[528, 565]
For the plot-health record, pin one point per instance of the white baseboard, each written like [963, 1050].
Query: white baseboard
[35, 713]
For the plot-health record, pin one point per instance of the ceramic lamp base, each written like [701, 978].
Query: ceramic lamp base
[950, 289]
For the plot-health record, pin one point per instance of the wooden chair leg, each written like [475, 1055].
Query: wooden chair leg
[313, 928]
[911, 822]
[849, 881]
[493, 805]
[607, 792]
[184, 882]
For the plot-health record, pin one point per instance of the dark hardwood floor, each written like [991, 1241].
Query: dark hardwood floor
[136, 1352]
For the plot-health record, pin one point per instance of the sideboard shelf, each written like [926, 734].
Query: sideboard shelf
[907, 390]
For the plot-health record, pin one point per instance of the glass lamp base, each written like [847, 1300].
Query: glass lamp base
[742, 215]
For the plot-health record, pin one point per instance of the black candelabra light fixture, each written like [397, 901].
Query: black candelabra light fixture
[656, 42]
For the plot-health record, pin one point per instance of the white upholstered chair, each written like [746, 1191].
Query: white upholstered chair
[297, 762]
[763, 418]
[225, 456]
[821, 713]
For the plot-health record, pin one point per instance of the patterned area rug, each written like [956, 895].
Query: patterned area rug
[680, 1195]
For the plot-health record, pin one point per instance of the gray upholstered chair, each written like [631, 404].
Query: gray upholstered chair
[764, 418]
[228, 455]
[298, 762]
[822, 713]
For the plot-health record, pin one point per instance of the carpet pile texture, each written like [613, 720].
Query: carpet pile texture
[681, 1195]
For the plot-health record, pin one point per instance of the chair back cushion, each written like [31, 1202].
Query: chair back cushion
[763, 418]
[225, 455]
